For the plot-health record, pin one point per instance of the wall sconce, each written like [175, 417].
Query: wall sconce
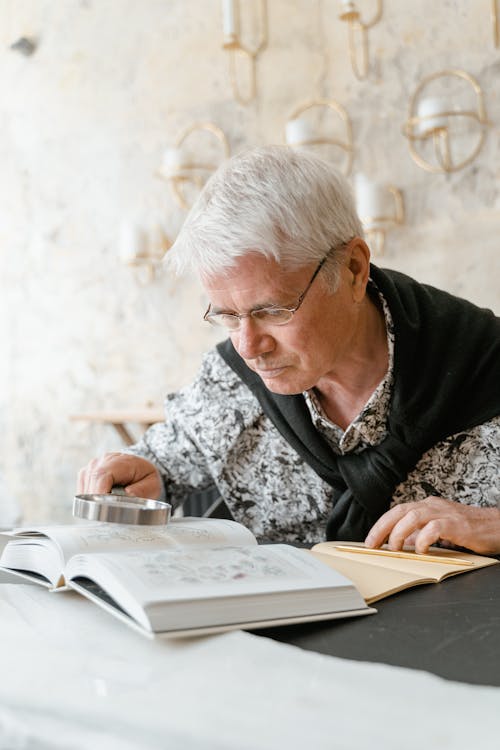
[495, 22]
[301, 132]
[430, 121]
[233, 44]
[179, 168]
[358, 31]
[380, 208]
[143, 251]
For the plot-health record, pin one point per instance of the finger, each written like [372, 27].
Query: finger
[429, 535]
[414, 519]
[437, 530]
[429, 521]
[382, 528]
[410, 540]
[427, 509]
[138, 475]
[150, 487]
[84, 474]
[80, 482]
[100, 481]
[102, 473]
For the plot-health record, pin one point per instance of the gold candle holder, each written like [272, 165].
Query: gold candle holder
[430, 119]
[299, 133]
[380, 208]
[144, 251]
[236, 48]
[179, 170]
[495, 23]
[358, 31]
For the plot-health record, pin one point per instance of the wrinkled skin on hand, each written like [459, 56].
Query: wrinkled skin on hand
[436, 519]
[139, 476]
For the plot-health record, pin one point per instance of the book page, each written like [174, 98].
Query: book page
[85, 537]
[372, 582]
[185, 574]
[210, 532]
[416, 570]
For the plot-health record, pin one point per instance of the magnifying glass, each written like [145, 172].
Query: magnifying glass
[117, 507]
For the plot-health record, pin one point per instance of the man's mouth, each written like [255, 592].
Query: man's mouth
[268, 372]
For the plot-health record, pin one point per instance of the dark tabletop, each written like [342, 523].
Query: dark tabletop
[451, 629]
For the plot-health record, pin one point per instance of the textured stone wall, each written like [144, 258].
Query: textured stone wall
[84, 122]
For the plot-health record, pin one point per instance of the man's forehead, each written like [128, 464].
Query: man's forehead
[252, 271]
[237, 285]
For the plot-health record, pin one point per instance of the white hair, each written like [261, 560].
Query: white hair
[287, 205]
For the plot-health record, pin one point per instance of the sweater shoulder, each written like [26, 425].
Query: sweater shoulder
[427, 299]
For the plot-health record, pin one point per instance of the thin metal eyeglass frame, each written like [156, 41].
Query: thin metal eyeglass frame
[292, 310]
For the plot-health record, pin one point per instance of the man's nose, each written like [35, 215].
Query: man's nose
[250, 340]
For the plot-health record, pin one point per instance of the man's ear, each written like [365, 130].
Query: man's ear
[358, 254]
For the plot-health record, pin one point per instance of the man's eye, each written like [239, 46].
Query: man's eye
[271, 313]
[228, 319]
[268, 312]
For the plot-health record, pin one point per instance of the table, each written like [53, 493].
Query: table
[119, 418]
[451, 629]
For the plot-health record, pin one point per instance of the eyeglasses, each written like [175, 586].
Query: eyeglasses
[266, 316]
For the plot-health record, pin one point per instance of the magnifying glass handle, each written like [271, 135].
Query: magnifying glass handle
[118, 489]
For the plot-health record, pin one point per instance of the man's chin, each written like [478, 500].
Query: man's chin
[281, 387]
[281, 380]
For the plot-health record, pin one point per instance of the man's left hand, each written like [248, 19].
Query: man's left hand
[434, 520]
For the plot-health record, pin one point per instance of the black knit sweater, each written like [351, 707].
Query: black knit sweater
[446, 379]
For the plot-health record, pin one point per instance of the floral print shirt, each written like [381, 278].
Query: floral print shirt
[215, 432]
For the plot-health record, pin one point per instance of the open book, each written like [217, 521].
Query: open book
[380, 573]
[193, 576]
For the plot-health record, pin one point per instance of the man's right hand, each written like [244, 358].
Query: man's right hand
[139, 476]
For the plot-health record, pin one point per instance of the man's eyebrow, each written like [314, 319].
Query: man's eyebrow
[260, 306]
[265, 305]
[218, 310]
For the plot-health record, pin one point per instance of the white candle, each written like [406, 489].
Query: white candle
[373, 201]
[347, 6]
[133, 242]
[431, 110]
[229, 16]
[298, 131]
[173, 160]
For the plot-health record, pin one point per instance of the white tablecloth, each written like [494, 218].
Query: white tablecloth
[73, 677]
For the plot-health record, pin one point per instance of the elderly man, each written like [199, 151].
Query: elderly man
[348, 402]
